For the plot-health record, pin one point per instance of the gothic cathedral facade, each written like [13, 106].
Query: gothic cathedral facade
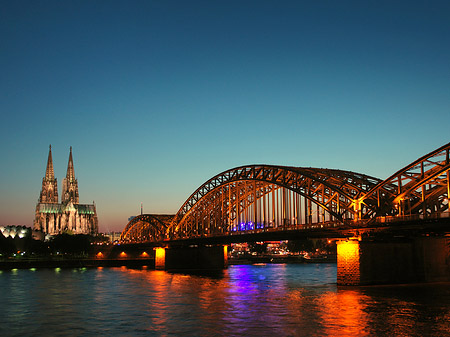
[70, 216]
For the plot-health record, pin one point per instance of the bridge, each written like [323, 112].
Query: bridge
[264, 202]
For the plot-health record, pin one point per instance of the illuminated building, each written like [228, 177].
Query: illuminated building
[113, 236]
[69, 215]
[13, 231]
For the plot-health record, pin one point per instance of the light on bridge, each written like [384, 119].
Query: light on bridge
[225, 254]
[348, 256]
[160, 258]
[246, 226]
[348, 248]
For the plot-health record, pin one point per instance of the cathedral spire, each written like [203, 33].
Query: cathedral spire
[49, 191]
[70, 176]
[49, 173]
[70, 184]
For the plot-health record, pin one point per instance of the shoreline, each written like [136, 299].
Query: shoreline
[9, 264]
[75, 263]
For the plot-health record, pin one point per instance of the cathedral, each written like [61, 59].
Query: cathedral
[70, 216]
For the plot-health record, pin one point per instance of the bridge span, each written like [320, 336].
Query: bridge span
[267, 202]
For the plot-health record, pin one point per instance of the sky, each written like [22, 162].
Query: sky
[157, 97]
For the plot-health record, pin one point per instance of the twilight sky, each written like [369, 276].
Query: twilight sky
[156, 97]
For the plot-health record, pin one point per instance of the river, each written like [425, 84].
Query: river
[244, 300]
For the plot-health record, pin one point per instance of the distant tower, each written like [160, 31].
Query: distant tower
[49, 192]
[70, 184]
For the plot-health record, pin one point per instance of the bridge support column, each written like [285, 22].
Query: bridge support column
[160, 258]
[348, 263]
[422, 259]
[192, 258]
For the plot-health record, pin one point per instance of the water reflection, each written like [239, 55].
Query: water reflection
[343, 313]
[287, 300]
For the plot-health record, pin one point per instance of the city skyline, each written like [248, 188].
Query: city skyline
[156, 98]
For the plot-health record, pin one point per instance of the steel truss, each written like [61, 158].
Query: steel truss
[420, 189]
[265, 196]
[255, 197]
[146, 227]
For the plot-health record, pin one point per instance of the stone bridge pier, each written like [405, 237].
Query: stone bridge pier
[411, 260]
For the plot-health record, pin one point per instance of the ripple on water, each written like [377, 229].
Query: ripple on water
[285, 300]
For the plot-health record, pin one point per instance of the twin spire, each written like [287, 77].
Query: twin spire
[49, 191]
[50, 173]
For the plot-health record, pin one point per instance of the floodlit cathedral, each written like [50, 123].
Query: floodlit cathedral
[69, 215]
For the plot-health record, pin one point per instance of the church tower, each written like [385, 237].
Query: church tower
[68, 216]
[70, 184]
[49, 191]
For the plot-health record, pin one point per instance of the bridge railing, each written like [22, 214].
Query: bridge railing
[412, 217]
[326, 224]
[268, 229]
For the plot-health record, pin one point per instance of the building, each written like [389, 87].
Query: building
[70, 216]
[21, 232]
[114, 237]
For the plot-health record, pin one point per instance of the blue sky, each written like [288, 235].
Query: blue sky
[156, 97]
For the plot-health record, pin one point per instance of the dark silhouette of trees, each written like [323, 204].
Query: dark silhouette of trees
[78, 244]
[7, 246]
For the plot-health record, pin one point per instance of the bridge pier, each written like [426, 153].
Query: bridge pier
[421, 259]
[191, 257]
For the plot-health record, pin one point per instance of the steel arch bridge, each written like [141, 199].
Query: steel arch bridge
[269, 198]
[147, 227]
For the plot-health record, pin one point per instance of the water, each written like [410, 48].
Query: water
[246, 300]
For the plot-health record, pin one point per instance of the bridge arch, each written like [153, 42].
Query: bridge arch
[270, 197]
[420, 189]
[257, 196]
[146, 227]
